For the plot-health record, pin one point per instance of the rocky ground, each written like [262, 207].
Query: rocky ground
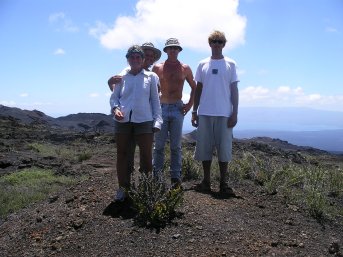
[71, 222]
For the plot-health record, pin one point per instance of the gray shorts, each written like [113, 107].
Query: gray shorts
[213, 133]
[134, 128]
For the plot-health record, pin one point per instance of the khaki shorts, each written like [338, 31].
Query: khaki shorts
[134, 128]
[213, 133]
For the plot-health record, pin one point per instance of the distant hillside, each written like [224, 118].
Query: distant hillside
[87, 121]
[25, 116]
[78, 122]
[328, 140]
[274, 142]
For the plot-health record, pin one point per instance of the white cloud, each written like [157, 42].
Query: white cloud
[285, 96]
[331, 30]
[59, 51]
[190, 21]
[24, 95]
[8, 103]
[284, 90]
[93, 95]
[40, 104]
[99, 29]
[56, 17]
[63, 23]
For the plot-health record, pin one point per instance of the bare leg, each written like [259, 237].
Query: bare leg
[223, 171]
[206, 165]
[225, 189]
[123, 150]
[144, 142]
[131, 156]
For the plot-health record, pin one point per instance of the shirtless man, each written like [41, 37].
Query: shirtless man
[172, 74]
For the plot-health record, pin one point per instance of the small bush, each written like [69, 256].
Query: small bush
[43, 149]
[73, 153]
[83, 156]
[20, 189]
[306, 185]
[335, 182]
[154, 203]
[190, 167]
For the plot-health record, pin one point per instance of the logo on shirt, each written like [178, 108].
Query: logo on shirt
[214, 71]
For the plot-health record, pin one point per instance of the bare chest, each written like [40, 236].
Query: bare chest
[173, 74]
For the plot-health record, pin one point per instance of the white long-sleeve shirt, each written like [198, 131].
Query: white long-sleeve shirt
[138, 99]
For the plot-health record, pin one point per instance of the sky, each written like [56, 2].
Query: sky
[57, 55]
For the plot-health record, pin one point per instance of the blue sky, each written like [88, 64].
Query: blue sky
[57, 55]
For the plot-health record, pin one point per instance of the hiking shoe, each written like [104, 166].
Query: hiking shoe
[203, 187]
[225, 190]
[176, 183]
[120, 195]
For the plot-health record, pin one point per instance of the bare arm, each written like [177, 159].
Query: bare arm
[114, 80]
[197, 95]
[190, 80]
[234, 99]
[156, 70]
[110, 83]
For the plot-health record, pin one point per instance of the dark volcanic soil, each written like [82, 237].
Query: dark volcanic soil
[71, 222]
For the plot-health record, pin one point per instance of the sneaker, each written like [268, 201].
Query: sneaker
[120, 195]
[225, 190]
[203, 187]
[176, 183]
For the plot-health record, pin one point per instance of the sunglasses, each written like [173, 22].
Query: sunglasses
[173, 47]
[217, 41]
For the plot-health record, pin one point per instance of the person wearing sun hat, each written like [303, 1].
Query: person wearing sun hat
[148, 46]
[172, 42]
[172, 74]
[151, 55]
[136, 108]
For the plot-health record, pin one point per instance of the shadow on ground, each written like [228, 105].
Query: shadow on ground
[120, 210]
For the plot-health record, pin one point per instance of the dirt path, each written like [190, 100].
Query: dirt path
[71, 223]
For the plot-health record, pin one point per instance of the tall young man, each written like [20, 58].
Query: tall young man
[215, 111]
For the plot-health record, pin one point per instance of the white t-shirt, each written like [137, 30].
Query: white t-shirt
[216, 76]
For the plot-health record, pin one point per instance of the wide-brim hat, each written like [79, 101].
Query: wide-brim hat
[150, 46]
[172, 42]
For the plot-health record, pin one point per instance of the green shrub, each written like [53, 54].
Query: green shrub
[74, 152]
[154, 203]
[19, 189]
[190, 167]
[335, 182]
[306, 185]
[43, 149]
[83, 156]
